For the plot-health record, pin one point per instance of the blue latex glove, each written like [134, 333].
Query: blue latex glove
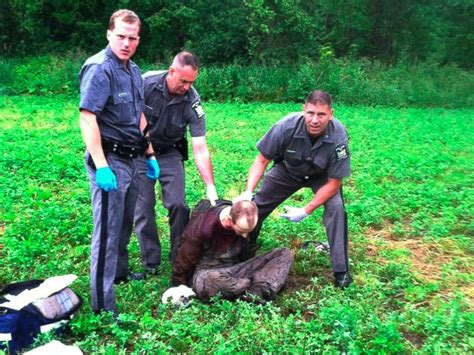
[105, 179]
[153, 171]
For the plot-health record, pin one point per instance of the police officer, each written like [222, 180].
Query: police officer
[171, 105]
[111, 119]
[310, 149]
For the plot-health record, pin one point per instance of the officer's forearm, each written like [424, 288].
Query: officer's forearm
[321, 196]
[256, 171]
[91, 136]
[204, 166]
[143, 123]
[202, 159]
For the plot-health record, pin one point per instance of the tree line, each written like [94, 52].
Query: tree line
[262, 32]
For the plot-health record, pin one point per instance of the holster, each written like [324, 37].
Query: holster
[181, 146]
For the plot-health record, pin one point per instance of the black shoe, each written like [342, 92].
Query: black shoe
[342, 279]
[134, 276]
[151, 270]
[268, 295]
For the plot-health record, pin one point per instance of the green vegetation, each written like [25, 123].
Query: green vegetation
[410, 203]
[264, 32]
[350, 81]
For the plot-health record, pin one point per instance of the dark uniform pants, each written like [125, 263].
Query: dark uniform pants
[263, 275]
[172, 181]
[113, 221]
[277, 186]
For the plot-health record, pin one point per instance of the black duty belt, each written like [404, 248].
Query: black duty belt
[125, 150]
[181, 146]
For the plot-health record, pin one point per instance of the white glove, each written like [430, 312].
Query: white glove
[244, 196]
[212, 194]
[179, 296]
[294, 214]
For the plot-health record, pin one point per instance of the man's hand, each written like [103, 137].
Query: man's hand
[244, 196]
[153, 171]
[294, 214]
[179, 296]
[105, 179]
[212, 194]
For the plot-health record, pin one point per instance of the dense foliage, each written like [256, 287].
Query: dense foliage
[269, 32]
[410, 205]
[350, 81]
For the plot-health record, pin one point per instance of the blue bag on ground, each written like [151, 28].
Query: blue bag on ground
[18, 328]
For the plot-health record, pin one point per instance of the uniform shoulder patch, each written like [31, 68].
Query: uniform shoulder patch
[341, 152]
[198, 109]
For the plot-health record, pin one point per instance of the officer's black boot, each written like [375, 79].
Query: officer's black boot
[134, 276]
[342, 279]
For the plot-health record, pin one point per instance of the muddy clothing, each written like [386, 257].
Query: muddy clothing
[114, 93]
[205, 243]
[168, 118]
[209, 260]
[262, 276]
[301, 163]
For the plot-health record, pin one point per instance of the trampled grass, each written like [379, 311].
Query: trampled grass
[410, 205]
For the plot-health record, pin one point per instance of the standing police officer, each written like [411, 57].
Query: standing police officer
[310, 149]
[111, 119]
[171, 104]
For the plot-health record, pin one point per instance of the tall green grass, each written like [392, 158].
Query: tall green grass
[350, 81]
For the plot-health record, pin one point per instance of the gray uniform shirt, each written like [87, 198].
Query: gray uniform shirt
[288, 142]
[114, 94]
[169, 116]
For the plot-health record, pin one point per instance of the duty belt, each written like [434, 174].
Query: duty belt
[125, 150]
[181, 146]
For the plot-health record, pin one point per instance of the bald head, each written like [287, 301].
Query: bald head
[182, 74]
[244, 215]
[185, 58]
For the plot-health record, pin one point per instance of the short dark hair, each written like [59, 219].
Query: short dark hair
[186, 58]
[244, 210]
[319, 97]
[125, 15]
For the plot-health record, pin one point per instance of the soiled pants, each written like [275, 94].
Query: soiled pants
[172, 181]
[113, 220]
[277, 186]
[263, 276]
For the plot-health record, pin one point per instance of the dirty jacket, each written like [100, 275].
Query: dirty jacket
[206, 244]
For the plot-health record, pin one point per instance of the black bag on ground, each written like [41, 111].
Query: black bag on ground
[18, 328]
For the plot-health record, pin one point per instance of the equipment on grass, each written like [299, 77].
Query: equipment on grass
[31, 307]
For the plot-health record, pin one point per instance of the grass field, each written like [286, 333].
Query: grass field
[410, 202]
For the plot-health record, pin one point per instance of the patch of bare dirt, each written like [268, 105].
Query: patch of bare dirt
[427, 257]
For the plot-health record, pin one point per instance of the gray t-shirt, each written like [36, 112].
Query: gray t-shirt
[114, 94]
[288, 142]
